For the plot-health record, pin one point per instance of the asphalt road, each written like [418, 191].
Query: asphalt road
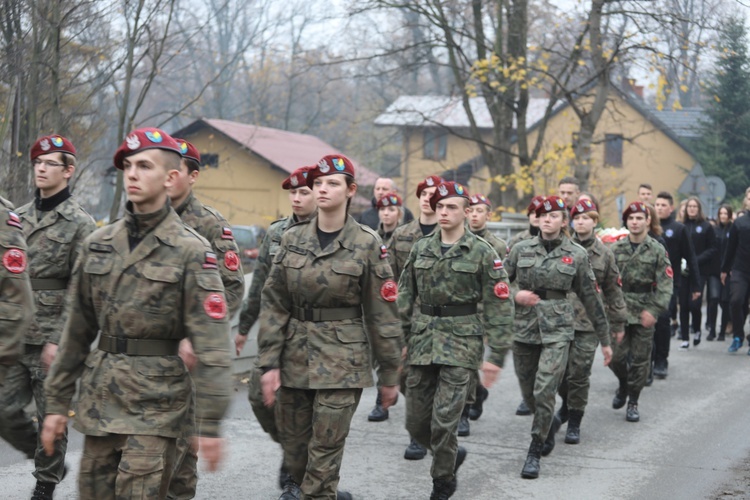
[693, 441]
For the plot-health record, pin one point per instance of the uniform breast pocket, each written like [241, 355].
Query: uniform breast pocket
[344, 280]
[600, 269]
[563, 279]
[524, 272]
[58, 247]
[295, 266]
[159, 292]
[425, 277]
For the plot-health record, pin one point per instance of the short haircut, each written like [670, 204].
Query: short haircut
[645, 186]
[569, 180]
[170, 159]
[69, 160]
[192, 165]
[665, 195]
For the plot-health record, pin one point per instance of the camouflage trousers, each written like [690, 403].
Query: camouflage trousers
[123, 467]
[435, 398]
[637, 345]
[574, 388]
[540, 368]
[264, 414]
[313, 425]
[184, 481]
[24, 381]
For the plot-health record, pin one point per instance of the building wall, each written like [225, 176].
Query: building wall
[244, 187]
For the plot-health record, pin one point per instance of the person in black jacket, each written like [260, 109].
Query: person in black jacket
[736, 266]
[703, 238]
[679, 247]
[369, 217]
[724, 224]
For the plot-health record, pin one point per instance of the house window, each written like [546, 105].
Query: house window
[210, 160]
[435, 144]
[613, 150]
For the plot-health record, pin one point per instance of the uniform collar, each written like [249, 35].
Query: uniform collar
[185, 204]
[139, 225]
[49, 204]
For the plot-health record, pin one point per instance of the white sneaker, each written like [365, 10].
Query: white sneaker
[684, 346]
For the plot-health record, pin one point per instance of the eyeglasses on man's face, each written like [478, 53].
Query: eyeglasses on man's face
[38, 162]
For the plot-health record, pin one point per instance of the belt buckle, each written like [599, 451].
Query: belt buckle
[438, 310]
[121, 345]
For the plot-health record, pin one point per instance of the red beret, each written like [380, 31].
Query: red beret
[188, 151]
[51, 144]
[581, 207]
[329, 165]
[479, 199]
[551, 204]
[448, 190]
[389, 200]
[633, 208]
[296, 179]
[143, 139]
[536, 202]
[431, 181]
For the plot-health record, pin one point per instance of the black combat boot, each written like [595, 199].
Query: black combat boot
[531, 467]
[549, 443]
[378, 414]
[573, 434]
[443, 489]
[620, 398]
[415, 451]
[464, 429]
[523, 409]
[478, 407]
[562, 413]
[344, 495]
[43, 491]
[632, 414]
[660, 369]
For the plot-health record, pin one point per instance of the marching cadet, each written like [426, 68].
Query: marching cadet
[143, 284]
[391, 213]
[54, 226]
[574, 388]
[448, 274]
[480, 209]
[544, 270]
[646, 276]
[303, 207]
[402, 241]
[210, 224]
[328, 307]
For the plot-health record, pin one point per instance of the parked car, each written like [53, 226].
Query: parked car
[248, 240]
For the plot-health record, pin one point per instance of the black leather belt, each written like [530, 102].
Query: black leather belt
[328, 314]
[551, 294]
[139, 347]
[638, 289]
[48, 284]
[441, 311]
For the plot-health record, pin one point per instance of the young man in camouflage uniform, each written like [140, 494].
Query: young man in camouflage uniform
[647, 285]
[543, 271]
[303, 207]
[210, 224]
[480, 209]
[448, 275]
[574, 388]
[402, 241]
[142, 284]
[54, 226]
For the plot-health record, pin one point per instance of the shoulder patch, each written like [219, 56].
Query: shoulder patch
[14, 260]
[231, 260]
[383, 252]
[369, 230]
[14, 220]
[210, 261]
[226, 233]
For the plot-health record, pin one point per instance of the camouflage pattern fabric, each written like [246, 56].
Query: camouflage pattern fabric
[402, 240]
[6, 204]
[631, 359]
[167, 288]
[121, 467]
[574, 388]
[518, 237]
[497, 243]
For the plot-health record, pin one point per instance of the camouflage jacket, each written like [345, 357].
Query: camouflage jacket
[402, 240]
[646, 277]
[210, 224]
[167, 288]
[565, 268]
[352, 272]
[54, 239]
[470, 272]
[6, 203]
[522, 236]
[17, 305]
[386, 237]
[266, 253]
[608, 277]
[497, 243]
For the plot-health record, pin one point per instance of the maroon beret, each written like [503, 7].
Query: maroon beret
[448, 190]
[634, 207]
[51, 144]
[389, 200]
[188, 151]
[536, 202]
[551, 204]
[581, 207]
[143, 139]
[329, 165]
[431, 181]
[479, 199]
[296, 179]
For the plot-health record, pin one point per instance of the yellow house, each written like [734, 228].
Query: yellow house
[632, 145]
[244, 165]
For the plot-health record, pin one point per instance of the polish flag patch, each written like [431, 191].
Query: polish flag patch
[210, 262]
[14, 220]
[226, 233]
[497, 264]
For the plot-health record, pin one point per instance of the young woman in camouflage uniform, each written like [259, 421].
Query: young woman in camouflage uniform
[543, 270]
[328, 307]
[391, 214]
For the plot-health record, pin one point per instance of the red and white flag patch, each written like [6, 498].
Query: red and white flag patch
[210, 262]
[14, 220]
[669, 272]
[383, 252]
[226, 233]
[497, 264]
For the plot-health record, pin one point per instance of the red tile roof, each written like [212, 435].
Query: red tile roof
[285, 150]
